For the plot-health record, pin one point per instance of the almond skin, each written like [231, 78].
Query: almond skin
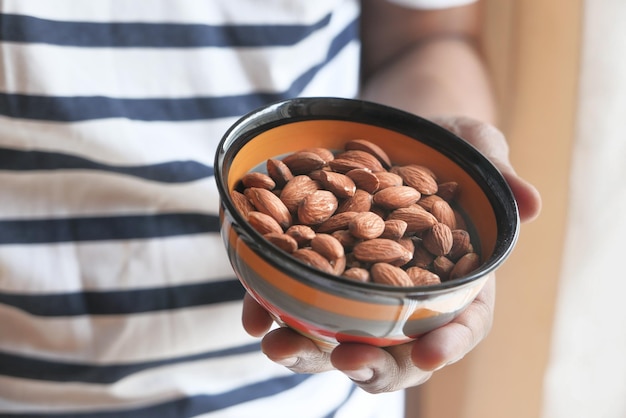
[241, 202]
[336, 222]
[328, 246]
[296, 190]
[366, 225]
[419, 178]
[444, 213]
[388, 179]
[303, 234]
[448, 191]
[267, 202]
[364, 179]
[422, 277]
[257, 179]
[465, 265]
[416, 218]
[361, 159]
[279, 172]
[396, 197]
[461, 244]
[317, 207]
[442, 266]
[357, 273]
[394, 229]
[371, 148]
[438, 239]
[303, 162]
[381, 250]
[384, 273]
[314, 259]
[283, 241]
[340, 184]
[263, 223]
[360, 202]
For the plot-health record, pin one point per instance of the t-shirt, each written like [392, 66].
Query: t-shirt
[116, 295]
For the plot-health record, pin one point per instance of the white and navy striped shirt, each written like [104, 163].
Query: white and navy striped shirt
[116, 296]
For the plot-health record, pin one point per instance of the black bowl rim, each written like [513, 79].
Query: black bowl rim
[275, 114]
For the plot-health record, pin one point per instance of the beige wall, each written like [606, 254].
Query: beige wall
[533, 48]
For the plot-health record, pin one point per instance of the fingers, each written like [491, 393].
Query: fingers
[375, 369]
[378, 370]
[454, 340]
[299, 354]
[492, 143]
[256, 321]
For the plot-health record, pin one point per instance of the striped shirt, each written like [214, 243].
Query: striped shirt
[116, 296]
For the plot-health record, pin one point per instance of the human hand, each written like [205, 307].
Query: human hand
[378, 370]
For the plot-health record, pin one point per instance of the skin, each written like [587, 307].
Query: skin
[426, 62]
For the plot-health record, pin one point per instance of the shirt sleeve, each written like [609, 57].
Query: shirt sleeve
[431, 4]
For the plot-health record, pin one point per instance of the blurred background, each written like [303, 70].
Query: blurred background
[556, 348]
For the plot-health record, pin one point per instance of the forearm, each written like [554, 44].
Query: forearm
[440, 76]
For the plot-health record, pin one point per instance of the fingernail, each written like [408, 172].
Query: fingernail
[287, 362]
[360, 375]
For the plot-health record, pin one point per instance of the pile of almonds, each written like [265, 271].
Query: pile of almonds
[357, 215]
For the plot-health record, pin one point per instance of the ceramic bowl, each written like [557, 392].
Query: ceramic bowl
[330, 309]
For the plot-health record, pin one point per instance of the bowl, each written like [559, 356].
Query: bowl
[331, 309]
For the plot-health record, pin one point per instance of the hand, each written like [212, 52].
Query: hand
[378, 370]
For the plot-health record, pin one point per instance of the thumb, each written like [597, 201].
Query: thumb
[491, 142]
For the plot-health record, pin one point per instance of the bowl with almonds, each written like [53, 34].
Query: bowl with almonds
[351, 221]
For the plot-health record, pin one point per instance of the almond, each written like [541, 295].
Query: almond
[282, 241]
[428, 201]
[345, 238]
[362, 159]
[328, 246]
[241, 202]
[278, 171]
[422, 257]
[324, 153]
[418, 177]
[263, 223]
[438, 239]
[442, 266]
[303, 162]
[361, 201]
[364, 179]
[416, 218]
[339, 265]
[313, 259]
[394, 229]
[303, 234]
[340, 184]
[267, 202]
[388, 179]
[444, 213]
[371, 148]
[381, 250]
[366, 225]
[384, 273]
[448, 191]
[336, 222]
[357, 273]
[257, 179]
[396, 197]
[422, 277]
[296, 190]
[317, 207]
[461, 244]
[465, 265]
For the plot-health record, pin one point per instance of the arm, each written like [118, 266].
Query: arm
[425, 62]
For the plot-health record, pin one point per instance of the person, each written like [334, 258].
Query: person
[116, 297]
